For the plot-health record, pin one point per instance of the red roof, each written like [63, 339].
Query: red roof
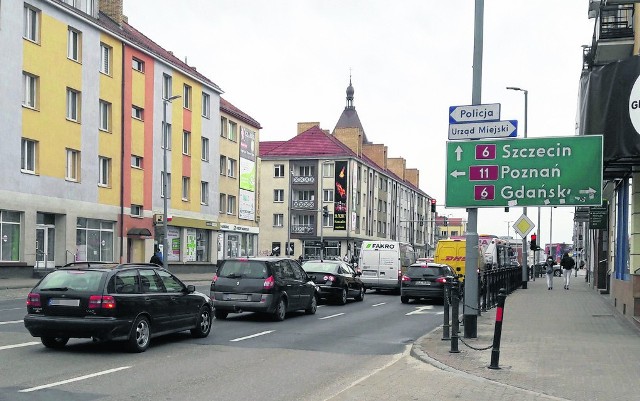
[228, 108]
[313, 142]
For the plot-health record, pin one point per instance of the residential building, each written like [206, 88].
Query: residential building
[331, 191]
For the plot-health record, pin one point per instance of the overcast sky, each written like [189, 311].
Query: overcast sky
[288, 61]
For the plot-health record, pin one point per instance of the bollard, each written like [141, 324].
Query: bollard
[495, 351]
[445, 326]
[455, 317]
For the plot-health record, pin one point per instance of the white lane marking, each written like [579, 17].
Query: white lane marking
[440, 313]
[75, 379]
[19, 345]
[2, 310]
[252, 336]
[12, 321]
[381, 303]
[420, 310]
[330, 316]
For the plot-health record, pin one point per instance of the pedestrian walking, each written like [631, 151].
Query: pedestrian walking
[156, 258]
[549, 264]
[567, 263]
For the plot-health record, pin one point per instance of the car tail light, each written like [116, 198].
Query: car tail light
[269, 283]
[329, 278]
[33, 300]
[215, 278]
[441, 280]
[405, 278]
[102, 301]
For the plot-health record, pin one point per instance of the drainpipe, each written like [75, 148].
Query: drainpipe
[122, 159]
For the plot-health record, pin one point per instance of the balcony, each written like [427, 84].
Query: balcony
[613, 35]
[302, 229]
[304, 179]
[304, 205]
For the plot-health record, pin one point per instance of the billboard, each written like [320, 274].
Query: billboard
[340, 198]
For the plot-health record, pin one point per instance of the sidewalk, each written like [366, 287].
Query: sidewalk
[570, 344]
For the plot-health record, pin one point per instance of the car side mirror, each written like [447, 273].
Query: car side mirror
[191, 288]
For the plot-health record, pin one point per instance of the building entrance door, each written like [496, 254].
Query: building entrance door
[45, 246]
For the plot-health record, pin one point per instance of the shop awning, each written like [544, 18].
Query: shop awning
[136, 232]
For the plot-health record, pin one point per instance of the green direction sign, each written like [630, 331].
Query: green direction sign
[550, 171]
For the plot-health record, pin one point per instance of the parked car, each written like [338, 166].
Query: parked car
[336, 280]
[425, 280]
[110, 301]
[272, 285]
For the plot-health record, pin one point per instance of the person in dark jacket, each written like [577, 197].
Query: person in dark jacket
[549, 271]
[156, 258]
[567, 263]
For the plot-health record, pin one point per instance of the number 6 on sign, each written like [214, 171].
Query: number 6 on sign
[484, 192]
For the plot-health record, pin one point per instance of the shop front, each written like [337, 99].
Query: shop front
[235, 241]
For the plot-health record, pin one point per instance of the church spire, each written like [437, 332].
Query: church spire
[350, 94]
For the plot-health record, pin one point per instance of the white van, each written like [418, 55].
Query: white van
[383, 262]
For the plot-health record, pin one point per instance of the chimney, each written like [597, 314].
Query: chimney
[397, 165]
[352, 137]
[376, 152]
[113, 9]
[302, 127]
[413, 176]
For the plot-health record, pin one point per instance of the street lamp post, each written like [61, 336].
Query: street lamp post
[165, 144]
[525, 267]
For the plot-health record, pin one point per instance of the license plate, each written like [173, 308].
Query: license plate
[64, 302]
[368, 273]
[235, 297]
[423, 283]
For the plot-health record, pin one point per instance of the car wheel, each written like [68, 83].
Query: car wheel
[342, 300]
[313, 306]
[404, 300]
[54, 342]
[220, 314]
[203, 327]
[360, 296]
[281, 311]
[140, 335]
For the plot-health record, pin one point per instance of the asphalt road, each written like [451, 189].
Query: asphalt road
[246, 356]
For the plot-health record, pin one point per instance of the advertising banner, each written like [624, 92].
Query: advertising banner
[340, 199]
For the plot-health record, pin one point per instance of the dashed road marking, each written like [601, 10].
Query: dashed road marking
[12, 322]
[75, 379]
[381, 303]
[330, 316]
[2, 348]
[252, 336]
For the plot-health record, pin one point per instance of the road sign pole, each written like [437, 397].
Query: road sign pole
[471, 309]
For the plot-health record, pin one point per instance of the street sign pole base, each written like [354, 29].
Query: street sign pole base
[470, 326]
[524, 285]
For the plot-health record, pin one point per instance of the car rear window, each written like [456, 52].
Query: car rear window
[320, 267]
[416, 271]
[72, 280]
[244, 269]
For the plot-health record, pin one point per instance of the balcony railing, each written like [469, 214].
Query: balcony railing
[304, 179]
[302, 228]
[304, 204]
[616, 22]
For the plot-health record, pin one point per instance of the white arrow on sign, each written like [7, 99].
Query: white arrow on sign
[591, 192]
[458, 153]
[457, 173]
[474, 113]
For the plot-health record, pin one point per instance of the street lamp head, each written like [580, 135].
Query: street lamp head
[172, 98]
[515, 88]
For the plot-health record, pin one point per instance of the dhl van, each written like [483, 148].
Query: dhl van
[453, 252]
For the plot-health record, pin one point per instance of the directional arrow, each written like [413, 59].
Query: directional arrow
[458, 153]
[420, 310]
[591, 192]
[457, 173]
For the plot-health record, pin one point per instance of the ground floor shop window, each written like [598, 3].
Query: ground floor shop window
[202, 245]
[173, 238]
[94, 240]
[9, 236]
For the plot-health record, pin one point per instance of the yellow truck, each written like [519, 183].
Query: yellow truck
[453, 252]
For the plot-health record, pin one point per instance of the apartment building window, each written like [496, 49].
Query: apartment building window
[223, 203]
[278, 170]
[104, 171]
[105, 59]
[10, 234]
[137, 65]
[204, 193]
[186, 188]
[105, 116]
[136, 161]
[278, 195]
[73, 105]
[233, 131]
[31, 24]
[73, 165]
[97, 237]
[231, 204]
[223, 127]
[186, 97]
[278, 220]
[379, 205]
[328, 169]
[231, 167]
[327, 221]
[205, 149]
[137, 112]
[166, 178]
[136, 210]
[206, 105]
[30, 88]
[327, 195]
[186, 143]
[28, 158]
[306, 171]
[166, 136]
[306, 195]
[223, 165]
[74, 44]
[166, 86]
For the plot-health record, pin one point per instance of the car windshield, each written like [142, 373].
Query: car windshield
[72, 280]
[320, 267]
[423, 271]
[243, 268]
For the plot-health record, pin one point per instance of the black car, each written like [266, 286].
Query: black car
[271, 285]
[336, 280]
[110, 301]
[425, 280]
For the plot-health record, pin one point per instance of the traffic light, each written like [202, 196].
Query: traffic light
[433, 205]
[534, 242]
[325, 211]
